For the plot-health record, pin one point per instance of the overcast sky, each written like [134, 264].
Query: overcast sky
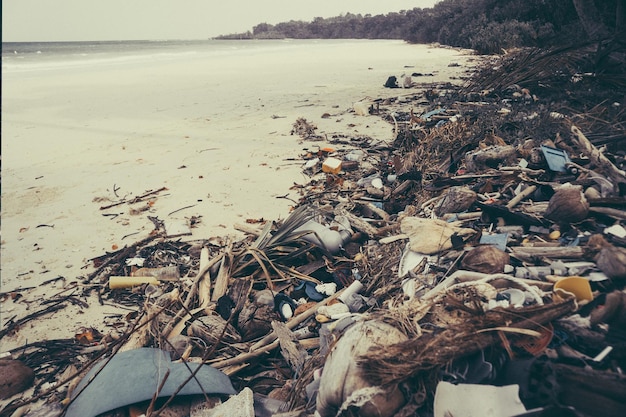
[80, 20]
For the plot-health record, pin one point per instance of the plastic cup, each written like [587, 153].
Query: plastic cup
[578, 286]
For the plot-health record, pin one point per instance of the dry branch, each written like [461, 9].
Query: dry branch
[605, 166]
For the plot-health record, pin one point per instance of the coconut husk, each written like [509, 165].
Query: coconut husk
[429, 351]
[210, 328]
[455, 200]
[255, 320]
[612, 261]
[343, 383]
[16, 377]
[567, 205]
[486, 259]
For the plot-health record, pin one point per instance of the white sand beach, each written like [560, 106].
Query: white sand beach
[214, 130]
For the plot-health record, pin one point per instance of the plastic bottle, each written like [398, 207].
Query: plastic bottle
[165, 273]
[353, 288]
[355, 155]
[320, 235]
[367, 181]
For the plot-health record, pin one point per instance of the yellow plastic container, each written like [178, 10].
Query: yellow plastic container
[578, 286]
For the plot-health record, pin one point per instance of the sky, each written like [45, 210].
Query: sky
[89, 20]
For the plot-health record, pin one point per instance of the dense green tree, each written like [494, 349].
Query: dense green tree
[488, 26]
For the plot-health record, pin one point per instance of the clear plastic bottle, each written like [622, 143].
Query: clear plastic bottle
[165, 273]
[331, 240]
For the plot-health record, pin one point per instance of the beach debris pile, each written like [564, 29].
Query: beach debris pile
[475, 265]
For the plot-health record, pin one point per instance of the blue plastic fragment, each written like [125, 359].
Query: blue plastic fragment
[557, 159]
[135, 375]
[427, 116]
[497, 239]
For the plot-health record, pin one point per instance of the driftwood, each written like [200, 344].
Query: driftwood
[359, 224]
[604, 165]
[247, 229]
[379, 212]
[289, 347]
[482, 159]
[518, 198]
[223, 275]
[141, 335]
[591, 392]
[609, 211]
[403, 187]
[559, 252]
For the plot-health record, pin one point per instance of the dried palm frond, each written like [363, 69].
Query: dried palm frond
[275, 255]
[531, 66]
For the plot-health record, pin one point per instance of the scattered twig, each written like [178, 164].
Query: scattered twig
[130, 234]
[134, 200]
[15, 324]
[48, 281]
[181, 209]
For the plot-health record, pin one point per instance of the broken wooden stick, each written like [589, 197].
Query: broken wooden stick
[139, 338]
[522, 195]
[289, 346]
[561, 252]
[204, 282]
[177, 323]
[604, 165]
[223, 276]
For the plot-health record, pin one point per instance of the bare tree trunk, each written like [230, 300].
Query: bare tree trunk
[590, 19]
[620, 16]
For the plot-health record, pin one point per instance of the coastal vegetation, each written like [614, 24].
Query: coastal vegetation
[486, 26]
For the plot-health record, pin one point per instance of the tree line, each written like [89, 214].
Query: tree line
[487, 26]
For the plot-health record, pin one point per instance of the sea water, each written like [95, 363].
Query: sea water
[33, 56]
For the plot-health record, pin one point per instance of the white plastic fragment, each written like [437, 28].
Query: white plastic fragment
[616, 230]
[311, 163]
[240, 405]
[377, 183]
[135, 261]
[333, 310]
[328, 288]
[362, 108]
[474, 400]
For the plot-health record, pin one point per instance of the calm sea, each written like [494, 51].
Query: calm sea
[25, 56]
